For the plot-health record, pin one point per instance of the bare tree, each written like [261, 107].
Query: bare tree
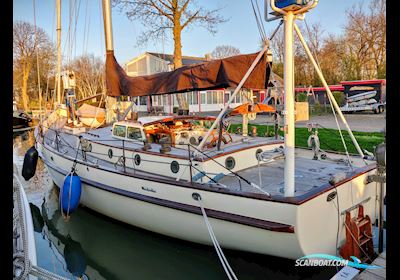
[25, 45]
[89, 73]
[169, 17]
[224, 51]
[331, 59]
[368, 31]
[365, 34]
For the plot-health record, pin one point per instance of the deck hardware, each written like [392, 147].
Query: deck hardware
[336, 178]
[331, 196]
[259, 151]
[376, 178]
[355, 206]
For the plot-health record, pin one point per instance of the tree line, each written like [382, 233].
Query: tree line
[33, 52]
[358, 53]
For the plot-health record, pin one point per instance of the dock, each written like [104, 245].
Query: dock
[374, 274]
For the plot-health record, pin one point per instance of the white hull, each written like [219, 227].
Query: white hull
[154, 205]
[28, 231]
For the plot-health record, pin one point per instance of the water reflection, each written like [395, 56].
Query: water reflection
[93, 246]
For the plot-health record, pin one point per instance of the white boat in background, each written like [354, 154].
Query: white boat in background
[260, 194]
[24, 248]
[361, 96]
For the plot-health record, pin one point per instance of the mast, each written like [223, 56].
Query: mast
[58, 2]
[288, 75]
[290, 12]
[108, 25]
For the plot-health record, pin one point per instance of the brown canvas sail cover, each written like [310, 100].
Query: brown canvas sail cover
[220, 73]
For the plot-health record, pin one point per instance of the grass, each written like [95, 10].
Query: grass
[329, 138]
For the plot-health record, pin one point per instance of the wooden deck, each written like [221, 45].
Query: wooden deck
[375, 274]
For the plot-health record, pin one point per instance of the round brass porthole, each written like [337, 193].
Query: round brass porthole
[259, 151]
[174, 166]
[230, 163]
[110, 153]
[137, 159]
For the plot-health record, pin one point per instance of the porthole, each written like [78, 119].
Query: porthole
[137, 159]
[230, 163]
[174, 167]
[110, 153]
[259, 151]
[193, 141]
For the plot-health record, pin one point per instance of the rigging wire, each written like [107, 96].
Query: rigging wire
[77, 10]
[85, 28]
[37, 61]
[260, 19]
[259, 23]
[329, 98]
[48, 76]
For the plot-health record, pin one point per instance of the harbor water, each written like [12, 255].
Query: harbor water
[92, 246]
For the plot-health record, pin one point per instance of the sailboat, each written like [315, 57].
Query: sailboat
[159, 173]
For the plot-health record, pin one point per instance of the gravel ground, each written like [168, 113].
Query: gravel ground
[365, 122]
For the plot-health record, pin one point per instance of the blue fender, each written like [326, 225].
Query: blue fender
[70, 193]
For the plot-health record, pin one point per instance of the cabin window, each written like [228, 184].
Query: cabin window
[135, 133]
[119, 130]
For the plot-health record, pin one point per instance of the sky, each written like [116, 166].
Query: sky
[239, 31]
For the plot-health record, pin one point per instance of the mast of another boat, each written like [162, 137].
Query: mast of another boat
[58, 3]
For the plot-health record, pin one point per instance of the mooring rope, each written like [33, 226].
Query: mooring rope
[228, 270]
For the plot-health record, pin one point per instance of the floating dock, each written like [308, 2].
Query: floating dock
[374, 274]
